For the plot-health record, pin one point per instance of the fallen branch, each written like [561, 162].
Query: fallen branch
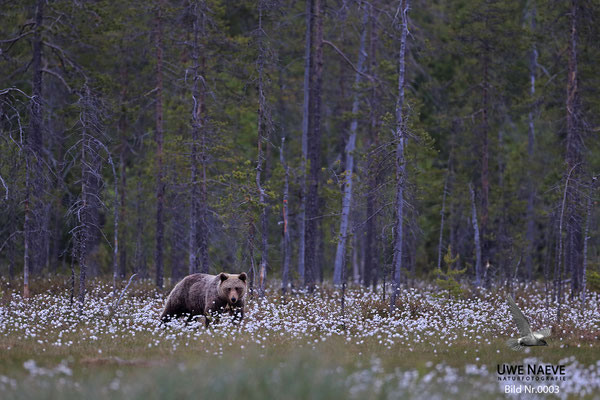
[116, 303]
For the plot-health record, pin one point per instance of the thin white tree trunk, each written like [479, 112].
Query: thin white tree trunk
[350, 148]
[530, 230]
[116, 223]
[400, 161]
[262, 129]
[286, 231]
[585, 246]
[197, 125]
[27, 228]
[442, 215]
[477, 238]
[559, 258]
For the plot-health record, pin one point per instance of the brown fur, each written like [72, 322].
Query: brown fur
[208, 295]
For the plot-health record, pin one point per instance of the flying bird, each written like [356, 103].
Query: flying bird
[528, 337]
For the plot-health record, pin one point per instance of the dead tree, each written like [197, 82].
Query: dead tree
[85, 208]
[588, 212]
[350, 148]
[284, 213]
[400, 138]
[158, 137]
[558, 271]
[573, 155]
[198, 129]
[371, 265]
[530, 217]
[477, 238]
[139, 262]
[263, 134]
[122, 127]
[442, 216]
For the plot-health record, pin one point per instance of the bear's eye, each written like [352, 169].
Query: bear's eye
[238, 288]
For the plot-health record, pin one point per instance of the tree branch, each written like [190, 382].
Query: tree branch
[341, 53]
[59, 77]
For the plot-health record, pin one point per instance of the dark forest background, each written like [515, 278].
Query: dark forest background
[288, 138]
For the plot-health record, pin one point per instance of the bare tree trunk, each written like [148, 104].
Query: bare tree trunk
[83, 236]
[203, 233]
[160, 186]
[485, 183]
[34, 142]
[123, 170]
[477, 238]
[350, 148]
[138, 263]
[559, 257]
[442, 215]
[198, 111]
[284, 211]
[588, 212]
[116, 226]
[57, 208]
[86, 209]
[72, 291]
[123, 207]
[83, 213]
[27, 228]
[573, 154]
[306, 117]
[314, 153]
[530, 230]
[400, 137]
[355, 261]
[252, 272]
[262, 137]
[371, 264]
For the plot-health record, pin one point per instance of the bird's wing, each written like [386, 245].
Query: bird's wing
[542, 333]
[520, 320]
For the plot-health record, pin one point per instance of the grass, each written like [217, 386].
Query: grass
[289, 348]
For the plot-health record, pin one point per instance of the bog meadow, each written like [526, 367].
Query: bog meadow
[388, 174]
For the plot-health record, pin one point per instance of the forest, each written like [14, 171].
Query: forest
[346, 140]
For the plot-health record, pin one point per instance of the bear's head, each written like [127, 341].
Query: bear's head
[232, 287]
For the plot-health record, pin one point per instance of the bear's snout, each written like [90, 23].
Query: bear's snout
[233, 299]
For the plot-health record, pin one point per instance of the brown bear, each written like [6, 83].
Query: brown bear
[208, 295]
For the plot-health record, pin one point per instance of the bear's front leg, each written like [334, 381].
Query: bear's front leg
[211, 315]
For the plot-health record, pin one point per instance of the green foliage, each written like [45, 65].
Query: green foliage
[593, 280]
[446, 281]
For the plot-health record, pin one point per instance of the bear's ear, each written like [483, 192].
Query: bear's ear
[243, 277]
[223, 276]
